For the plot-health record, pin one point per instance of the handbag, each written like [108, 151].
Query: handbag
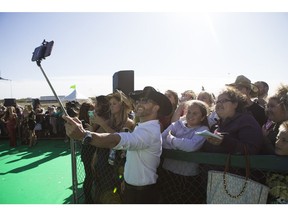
[228, 188]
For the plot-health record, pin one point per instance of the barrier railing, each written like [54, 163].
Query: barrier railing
[260, 165]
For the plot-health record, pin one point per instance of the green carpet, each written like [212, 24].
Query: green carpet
[37, 175]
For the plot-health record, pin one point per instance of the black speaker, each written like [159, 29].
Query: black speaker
[124, 81]
[9, 102]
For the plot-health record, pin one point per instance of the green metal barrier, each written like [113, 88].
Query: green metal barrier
[259, 162]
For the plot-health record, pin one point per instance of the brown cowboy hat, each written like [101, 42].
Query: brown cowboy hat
[159, 98]
[244, 81]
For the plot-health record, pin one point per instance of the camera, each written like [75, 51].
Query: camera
[42, 51]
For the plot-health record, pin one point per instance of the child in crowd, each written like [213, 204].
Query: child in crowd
[180, 178]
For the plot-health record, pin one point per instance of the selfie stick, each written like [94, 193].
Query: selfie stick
[61, 105]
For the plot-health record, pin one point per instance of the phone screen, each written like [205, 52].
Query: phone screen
[90, 113]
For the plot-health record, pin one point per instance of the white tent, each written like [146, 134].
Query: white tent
[75, 96]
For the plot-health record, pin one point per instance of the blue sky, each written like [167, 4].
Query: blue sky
[175, 51]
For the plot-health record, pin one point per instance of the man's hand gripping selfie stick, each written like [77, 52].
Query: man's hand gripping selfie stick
[40, 53]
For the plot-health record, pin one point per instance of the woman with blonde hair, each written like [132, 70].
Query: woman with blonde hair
[11, 119]
[109, 164]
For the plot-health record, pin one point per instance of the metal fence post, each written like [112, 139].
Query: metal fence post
[74, 171]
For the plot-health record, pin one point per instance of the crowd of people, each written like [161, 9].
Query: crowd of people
[123, 136]
[241, 114]
[25, 124]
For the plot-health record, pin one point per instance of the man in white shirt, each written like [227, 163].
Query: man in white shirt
[143, 145]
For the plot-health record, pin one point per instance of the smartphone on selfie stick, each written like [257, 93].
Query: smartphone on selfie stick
[38, 55]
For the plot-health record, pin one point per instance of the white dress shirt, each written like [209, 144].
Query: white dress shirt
[144, 148]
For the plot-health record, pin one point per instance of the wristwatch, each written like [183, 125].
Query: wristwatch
[87, 138]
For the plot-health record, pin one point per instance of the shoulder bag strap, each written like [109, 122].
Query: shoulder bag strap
[227, 165]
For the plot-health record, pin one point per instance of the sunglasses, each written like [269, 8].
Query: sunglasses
[144, 101]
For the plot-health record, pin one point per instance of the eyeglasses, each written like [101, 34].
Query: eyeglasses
[144, 101]
[223, 101]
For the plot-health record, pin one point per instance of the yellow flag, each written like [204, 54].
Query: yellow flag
[73, 86]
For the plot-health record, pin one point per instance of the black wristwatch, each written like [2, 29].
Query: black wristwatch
[87, 138]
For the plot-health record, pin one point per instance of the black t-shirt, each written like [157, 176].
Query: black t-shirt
[258, 112]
